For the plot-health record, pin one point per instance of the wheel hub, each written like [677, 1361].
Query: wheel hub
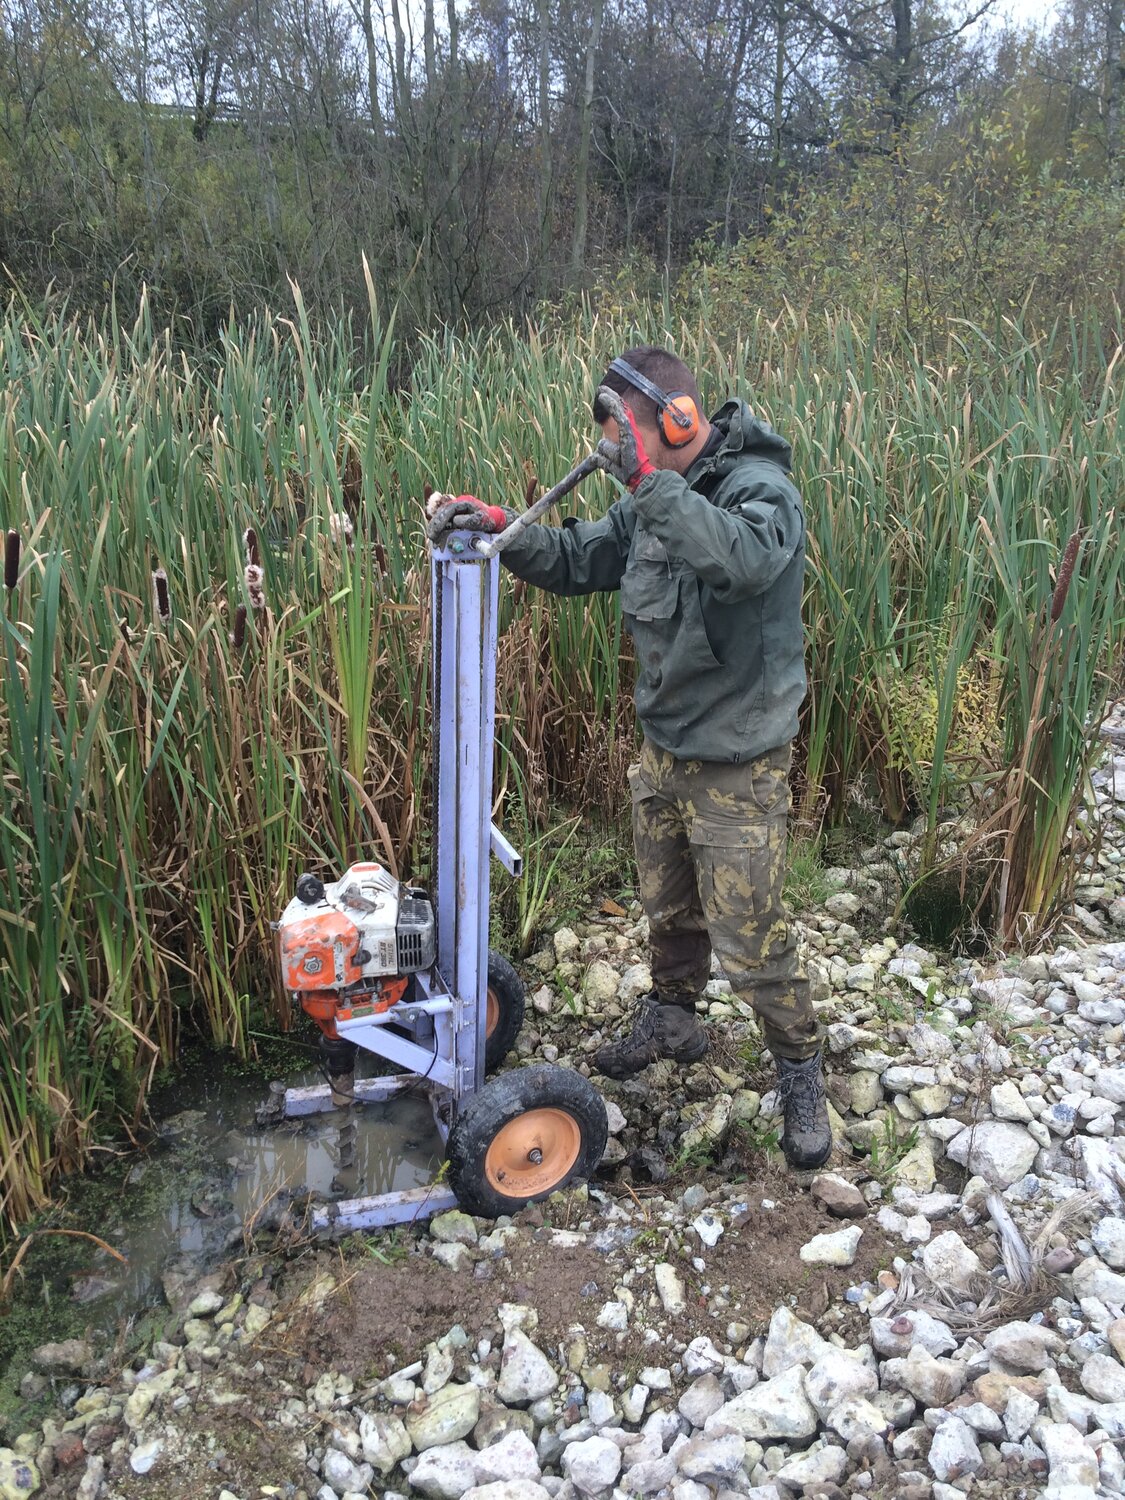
[533, 1152]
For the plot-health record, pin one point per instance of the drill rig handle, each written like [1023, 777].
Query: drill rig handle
[497, 543]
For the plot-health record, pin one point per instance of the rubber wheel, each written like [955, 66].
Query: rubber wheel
[505, 1001]
[523, 1136]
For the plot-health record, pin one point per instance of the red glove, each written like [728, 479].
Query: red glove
[626, 459]
[463, 513]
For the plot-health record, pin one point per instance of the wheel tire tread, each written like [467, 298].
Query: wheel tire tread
[510, 996]
[503, 1099]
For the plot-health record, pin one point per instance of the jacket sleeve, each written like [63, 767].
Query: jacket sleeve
[583, 557]
[741, 540]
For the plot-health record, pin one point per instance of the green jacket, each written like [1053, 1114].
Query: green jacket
[710, 566]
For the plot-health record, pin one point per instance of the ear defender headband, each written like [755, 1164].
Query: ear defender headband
[679, 415]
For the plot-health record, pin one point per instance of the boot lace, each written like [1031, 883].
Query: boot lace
[643, 1022]
[801, 1089]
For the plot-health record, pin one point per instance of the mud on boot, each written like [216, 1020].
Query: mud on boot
[807, 1136]
[657, 1031]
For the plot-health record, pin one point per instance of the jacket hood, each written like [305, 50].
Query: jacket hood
[748, 436]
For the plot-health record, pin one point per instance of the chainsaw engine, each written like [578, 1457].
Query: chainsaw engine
[355, 942]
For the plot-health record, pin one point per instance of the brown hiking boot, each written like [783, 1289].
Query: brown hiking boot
[658, 1031]
[807, 1136]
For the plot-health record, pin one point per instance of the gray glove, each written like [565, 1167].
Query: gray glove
[626, 460]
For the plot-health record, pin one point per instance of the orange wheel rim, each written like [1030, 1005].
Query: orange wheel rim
[491, 1012]
[533, 1153]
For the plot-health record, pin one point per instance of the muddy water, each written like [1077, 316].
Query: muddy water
[184, 1201]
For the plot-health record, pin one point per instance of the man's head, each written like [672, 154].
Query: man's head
[671, 378]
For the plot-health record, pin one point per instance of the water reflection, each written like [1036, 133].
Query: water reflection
[214, 1170]
[372, 1148]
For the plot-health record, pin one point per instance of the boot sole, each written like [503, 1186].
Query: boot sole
[619, 1071]
[690, 1054]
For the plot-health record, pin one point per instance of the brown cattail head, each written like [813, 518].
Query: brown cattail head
[529, 493]
[1066, 573]
[126, 633]
[427, 491]
[250, 541]
[254, 581]
[238, 634]
[160, 594]
[11, 560]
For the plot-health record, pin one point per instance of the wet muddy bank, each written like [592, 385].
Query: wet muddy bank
[171, 1205]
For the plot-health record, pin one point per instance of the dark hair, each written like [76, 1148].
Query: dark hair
[664, 370]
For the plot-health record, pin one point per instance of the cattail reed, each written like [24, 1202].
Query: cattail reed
[161, 595]
[255, 579]
[11, 560]
[923, 553]
[1066, 573]
[340, 525]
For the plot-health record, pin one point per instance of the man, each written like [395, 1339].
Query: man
[707, 549]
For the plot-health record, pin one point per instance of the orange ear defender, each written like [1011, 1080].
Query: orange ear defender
[679, 415]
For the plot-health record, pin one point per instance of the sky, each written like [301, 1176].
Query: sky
[1027, 10]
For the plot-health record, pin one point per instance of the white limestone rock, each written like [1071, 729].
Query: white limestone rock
[1093, 1278]
[835, 1249]
[836, 1377]
[807, 1471]
[592, 1465]
[444, 1473]
[1103, 1378]
[1070, 1458]
[777, 1408]
[1007, 1103]
[935, 1382]
[949, 1262]
[526, 1374]
[997, 1150]
[385, 1441]
[954, 1452]
[1024, 1346]
[1109, 1241]
[790, 1342]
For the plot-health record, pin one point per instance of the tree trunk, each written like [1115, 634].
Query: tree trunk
[1114, 90]
[668, 223]
[428, 48]
[367, 24]
[544, 141]
[401, 87]
[455, 212]
[582, 166]
[902, 65]
[777, 124]
[455, 122]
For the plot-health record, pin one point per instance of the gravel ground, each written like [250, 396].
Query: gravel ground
[937, 1313]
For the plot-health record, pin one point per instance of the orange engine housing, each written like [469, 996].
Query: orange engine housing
[320, 951]
[346, 950]
[326, 1008]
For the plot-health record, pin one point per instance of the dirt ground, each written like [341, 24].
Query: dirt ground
[386, 1314]
[389, 1299]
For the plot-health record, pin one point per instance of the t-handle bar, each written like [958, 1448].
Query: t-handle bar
[492, 545]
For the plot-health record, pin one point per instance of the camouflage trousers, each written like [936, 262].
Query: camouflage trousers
[710, 841]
